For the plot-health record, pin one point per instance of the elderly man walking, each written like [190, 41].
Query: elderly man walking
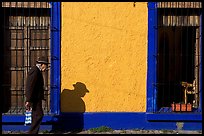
[35, 93]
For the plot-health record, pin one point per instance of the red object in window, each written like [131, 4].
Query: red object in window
[177, 107]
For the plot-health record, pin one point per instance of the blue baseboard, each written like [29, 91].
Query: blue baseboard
[121, 120]
[114, 120]
[21, 127]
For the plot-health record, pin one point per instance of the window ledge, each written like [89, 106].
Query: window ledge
[174, 116]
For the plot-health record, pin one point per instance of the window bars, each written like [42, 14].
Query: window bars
[26, 31]
[178, 53]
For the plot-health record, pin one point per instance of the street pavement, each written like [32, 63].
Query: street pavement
[117, 132]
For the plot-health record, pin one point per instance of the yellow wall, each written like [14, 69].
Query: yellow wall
[104, 47]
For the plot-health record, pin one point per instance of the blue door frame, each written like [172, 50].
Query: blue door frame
[55, 78]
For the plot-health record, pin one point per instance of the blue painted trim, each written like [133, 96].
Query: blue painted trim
[151, 60]
[174, 117]
[55, 57]
[120, 120]
[21, 119]
[24, 128]
[114, 120]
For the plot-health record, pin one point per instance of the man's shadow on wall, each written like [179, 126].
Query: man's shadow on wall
[74, 106]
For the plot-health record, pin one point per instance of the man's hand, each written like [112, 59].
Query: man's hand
[28, 106]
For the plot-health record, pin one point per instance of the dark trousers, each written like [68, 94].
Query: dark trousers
[37, 115]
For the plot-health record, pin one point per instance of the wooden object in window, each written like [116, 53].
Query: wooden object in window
[188, 89]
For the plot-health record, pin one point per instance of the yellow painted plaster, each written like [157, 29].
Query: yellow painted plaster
[104, 47]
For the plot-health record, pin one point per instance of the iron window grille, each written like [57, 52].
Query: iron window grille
[26, 31]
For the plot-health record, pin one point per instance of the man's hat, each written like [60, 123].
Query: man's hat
[42, 60]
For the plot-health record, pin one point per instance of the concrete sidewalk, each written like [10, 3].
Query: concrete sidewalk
[117, 132]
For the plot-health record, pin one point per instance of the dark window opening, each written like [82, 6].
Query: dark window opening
[178, 56]
[176, 62]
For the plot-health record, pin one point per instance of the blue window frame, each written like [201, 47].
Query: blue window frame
[55, 78]
[152, 92]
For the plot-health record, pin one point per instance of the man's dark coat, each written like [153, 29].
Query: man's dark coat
[34, 86]
[35, 95]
